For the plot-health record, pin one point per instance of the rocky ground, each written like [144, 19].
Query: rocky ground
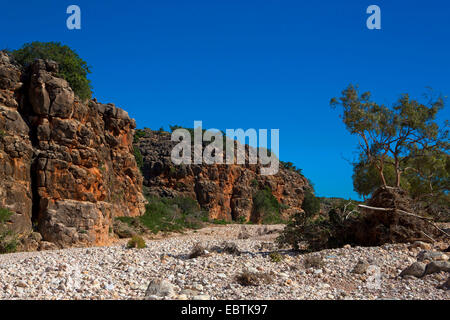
[115, 272]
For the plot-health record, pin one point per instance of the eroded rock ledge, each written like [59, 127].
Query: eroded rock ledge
[66, 166]
[226, 191]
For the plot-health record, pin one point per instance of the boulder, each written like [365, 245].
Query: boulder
[360, 267]
[421, 245]
[417, 269]
[445, 285]
[160, 288]
[437, 266]
[427, 255]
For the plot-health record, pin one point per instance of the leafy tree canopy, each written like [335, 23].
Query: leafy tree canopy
[71, 67]
[394, 136]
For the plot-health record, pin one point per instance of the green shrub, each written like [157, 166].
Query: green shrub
[311, 203]
[71, 67]
[241, 219]
[219, 221]
[276, 257]
[136, 242]
[138, 134]
[138, 157]
[8, 239]
[304, 227]
[5, 214]
[172, 214]
[266, 207]
[290, 166]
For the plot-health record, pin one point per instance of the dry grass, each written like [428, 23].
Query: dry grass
[247, 278]
[197, 251]
[314, 261]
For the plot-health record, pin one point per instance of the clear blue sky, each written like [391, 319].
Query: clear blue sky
[250, 64]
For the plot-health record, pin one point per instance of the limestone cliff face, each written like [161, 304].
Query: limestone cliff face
[16, 150]
[226, 191]
[65, 165]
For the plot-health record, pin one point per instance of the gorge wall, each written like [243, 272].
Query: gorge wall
[226, 191]
[66, 167]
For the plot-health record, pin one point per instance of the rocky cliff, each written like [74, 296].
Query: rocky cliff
[66, 166]
[226, 191]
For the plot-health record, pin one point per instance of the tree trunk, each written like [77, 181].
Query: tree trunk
[380, 170]
[398, 178]
[398, 173]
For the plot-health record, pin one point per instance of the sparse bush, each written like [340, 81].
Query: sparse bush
[71, 67]
[219, 221]
[138, 134]
[136, 242]
[241, 220]
[290, 166]
[227, 247]
[304, 227]
[8, 239]
[276, 257]
[197, 251]
[247, 278]
[314, 261]
[244, 234]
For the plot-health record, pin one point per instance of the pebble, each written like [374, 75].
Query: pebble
[115, 272]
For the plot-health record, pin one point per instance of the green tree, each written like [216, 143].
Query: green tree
[428, 177]
[393, 135]
[71, 67]
[366, 178]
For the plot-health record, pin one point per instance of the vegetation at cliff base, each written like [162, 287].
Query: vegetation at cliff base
[8, 239]
[71, 67]
[136, 242]
[169, 215]
[266, 208]
[138, 157]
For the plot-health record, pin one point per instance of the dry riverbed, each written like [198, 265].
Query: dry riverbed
[115, 272]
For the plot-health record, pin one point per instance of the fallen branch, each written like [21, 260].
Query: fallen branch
[374, 208]
[432, 240]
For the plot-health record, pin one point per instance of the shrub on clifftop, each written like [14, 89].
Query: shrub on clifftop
[71, 67]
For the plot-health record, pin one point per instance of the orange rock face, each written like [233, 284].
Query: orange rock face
[226, 191]
[77, 167]
[16, 150]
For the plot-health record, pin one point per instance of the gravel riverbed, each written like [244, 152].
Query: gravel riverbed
[115, 272]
